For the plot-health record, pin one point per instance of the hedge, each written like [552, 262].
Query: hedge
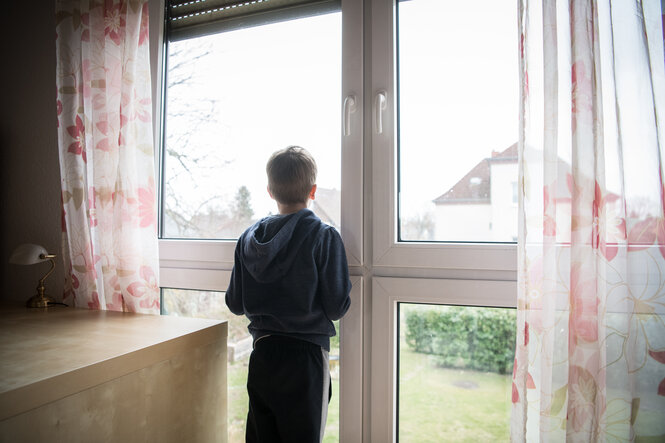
[482, 339]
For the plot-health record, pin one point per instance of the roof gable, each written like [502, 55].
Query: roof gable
[475, 186]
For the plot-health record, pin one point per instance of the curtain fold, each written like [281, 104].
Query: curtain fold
[590, 355]
[105, 143]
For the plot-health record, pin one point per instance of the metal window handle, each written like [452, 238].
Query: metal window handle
[380, 104]
[349, 108]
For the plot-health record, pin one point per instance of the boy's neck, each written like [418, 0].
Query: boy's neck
[285, 209]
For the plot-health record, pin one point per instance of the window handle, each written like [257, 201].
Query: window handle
[380, 104]
[349, 108]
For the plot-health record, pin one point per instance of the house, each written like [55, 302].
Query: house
[482, 205]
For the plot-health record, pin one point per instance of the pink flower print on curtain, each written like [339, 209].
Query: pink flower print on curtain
[106, 155]
[590, 350]
[77, 132]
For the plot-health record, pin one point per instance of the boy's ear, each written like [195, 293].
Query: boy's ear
[312, 192]
[269, 193]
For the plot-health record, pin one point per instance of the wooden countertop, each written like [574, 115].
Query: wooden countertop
[47, 354]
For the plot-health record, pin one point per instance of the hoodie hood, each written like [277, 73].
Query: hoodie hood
[271, 245]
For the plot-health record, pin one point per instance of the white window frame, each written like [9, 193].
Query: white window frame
[207, 264]
[219, 253]
[387, 292]
[387, 250]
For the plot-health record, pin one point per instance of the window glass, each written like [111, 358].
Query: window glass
[211, 304]
[455, 365]
[458, 120]
[232, 99]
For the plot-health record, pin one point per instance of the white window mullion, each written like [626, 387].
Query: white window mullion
[352, 103]
[351, 367]
[382, 130]
[352, 132]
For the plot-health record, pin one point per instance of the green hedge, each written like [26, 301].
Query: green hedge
[464, 337]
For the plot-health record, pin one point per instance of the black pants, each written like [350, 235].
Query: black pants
[289, 390]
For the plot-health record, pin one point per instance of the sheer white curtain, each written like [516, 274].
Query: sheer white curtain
[590, 358]
[106, 155]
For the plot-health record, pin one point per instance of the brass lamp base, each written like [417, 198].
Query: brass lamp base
[40, 301]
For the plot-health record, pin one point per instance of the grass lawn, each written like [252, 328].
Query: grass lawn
[439, 404]
[238, 400]
[332, 425]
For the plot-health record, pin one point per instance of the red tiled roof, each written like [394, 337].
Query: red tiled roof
[508, 155]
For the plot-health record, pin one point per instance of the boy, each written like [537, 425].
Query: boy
[290, 278]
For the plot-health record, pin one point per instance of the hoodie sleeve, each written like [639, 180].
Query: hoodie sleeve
[334, 282]
[234, 291]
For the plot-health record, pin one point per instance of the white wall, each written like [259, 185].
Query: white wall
[470, 222]
[28, 145]
[504, 210]
[483, 222]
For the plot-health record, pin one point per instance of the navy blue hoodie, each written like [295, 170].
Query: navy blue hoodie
[290, 278]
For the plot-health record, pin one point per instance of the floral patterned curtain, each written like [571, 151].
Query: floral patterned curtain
[105, 143]
[590, 357]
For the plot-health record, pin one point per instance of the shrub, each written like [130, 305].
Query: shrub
[464, 337]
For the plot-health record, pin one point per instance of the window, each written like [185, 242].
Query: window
[233, 98]
[455, 372]
[457, 96]
[241, 80]
[443, 163]
[444, 160]
[398, 142]
[441, 352]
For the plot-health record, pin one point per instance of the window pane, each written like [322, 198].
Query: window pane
[234, 98]
[458, 82]
[455, 365]
[210, 304]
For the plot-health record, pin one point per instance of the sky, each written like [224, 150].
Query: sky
[280, 85]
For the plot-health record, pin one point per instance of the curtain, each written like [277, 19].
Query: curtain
[590, 356]
[105, 143]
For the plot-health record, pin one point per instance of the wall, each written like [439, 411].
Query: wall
[463, 222]
[29, 168]
[504, 210]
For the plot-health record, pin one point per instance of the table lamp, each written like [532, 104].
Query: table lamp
[29, 254]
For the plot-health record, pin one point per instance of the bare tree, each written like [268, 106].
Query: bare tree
[242, 206]
[419, 227]
[189, 119]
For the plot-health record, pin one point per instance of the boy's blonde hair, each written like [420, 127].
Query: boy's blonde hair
[291, 175]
